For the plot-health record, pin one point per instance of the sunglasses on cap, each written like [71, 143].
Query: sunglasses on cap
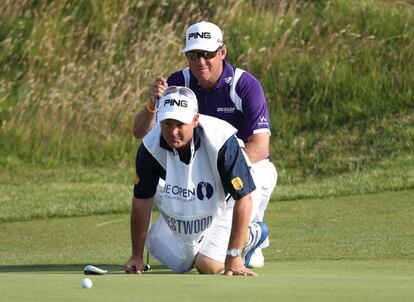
[206, 55]
[181, 90]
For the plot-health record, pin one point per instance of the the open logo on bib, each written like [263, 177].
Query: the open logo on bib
[204, 189]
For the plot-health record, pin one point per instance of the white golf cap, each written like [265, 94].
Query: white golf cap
[203, 36]
[177, 103]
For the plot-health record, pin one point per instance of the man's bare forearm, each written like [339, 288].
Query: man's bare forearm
[241, 218]
[140, 220]
[143, 122]
[257, 147]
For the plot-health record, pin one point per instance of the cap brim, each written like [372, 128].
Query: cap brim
[185, 118]
[201, 46]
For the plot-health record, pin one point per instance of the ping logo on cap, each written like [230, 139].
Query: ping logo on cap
[196, 35]
[174, 102]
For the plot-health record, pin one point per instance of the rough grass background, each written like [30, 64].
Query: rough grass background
[338, 76]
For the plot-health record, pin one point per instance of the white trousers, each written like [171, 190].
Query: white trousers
[178, 255]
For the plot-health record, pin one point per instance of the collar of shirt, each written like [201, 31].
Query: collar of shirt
[225, 77]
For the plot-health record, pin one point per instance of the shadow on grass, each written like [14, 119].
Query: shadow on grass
[74, 269]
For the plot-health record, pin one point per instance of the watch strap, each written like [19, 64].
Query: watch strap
[234, 253]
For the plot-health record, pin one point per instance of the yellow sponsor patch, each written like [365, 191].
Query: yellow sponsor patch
[237, 183]
[136, 181]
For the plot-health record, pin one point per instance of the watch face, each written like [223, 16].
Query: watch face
[233, 253]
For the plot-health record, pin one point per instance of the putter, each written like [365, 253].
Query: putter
[94, 270]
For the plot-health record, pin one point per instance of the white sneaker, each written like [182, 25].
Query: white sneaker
[258, 233]
[257, 259]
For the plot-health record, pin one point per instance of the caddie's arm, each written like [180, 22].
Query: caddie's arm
[145, 118]
[239, 236]
[140, 220]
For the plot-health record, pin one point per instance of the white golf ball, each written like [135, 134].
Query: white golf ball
[86, 283]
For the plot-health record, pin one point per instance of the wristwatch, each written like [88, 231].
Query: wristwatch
[233, 253]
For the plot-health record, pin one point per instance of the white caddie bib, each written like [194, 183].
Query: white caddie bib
[193, 194]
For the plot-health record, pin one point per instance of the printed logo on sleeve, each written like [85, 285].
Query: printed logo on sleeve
[263, 122]
[237, 183]
[136, 180]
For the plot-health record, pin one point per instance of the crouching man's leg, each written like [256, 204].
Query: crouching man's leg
[169, 249]
[212, 254]
[206, 265]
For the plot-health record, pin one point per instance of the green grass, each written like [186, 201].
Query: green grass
[375, 226]
[358, 227]
[357, 248]
[331, 240]
[96, 239]
[29, 193]
[304, 281]
[338, 76]
[34, 193]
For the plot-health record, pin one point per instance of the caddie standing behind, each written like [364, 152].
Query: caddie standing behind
[206, 213]
[228, 93]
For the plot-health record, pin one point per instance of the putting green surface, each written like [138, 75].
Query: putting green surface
[355, 248]
[287, 281]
